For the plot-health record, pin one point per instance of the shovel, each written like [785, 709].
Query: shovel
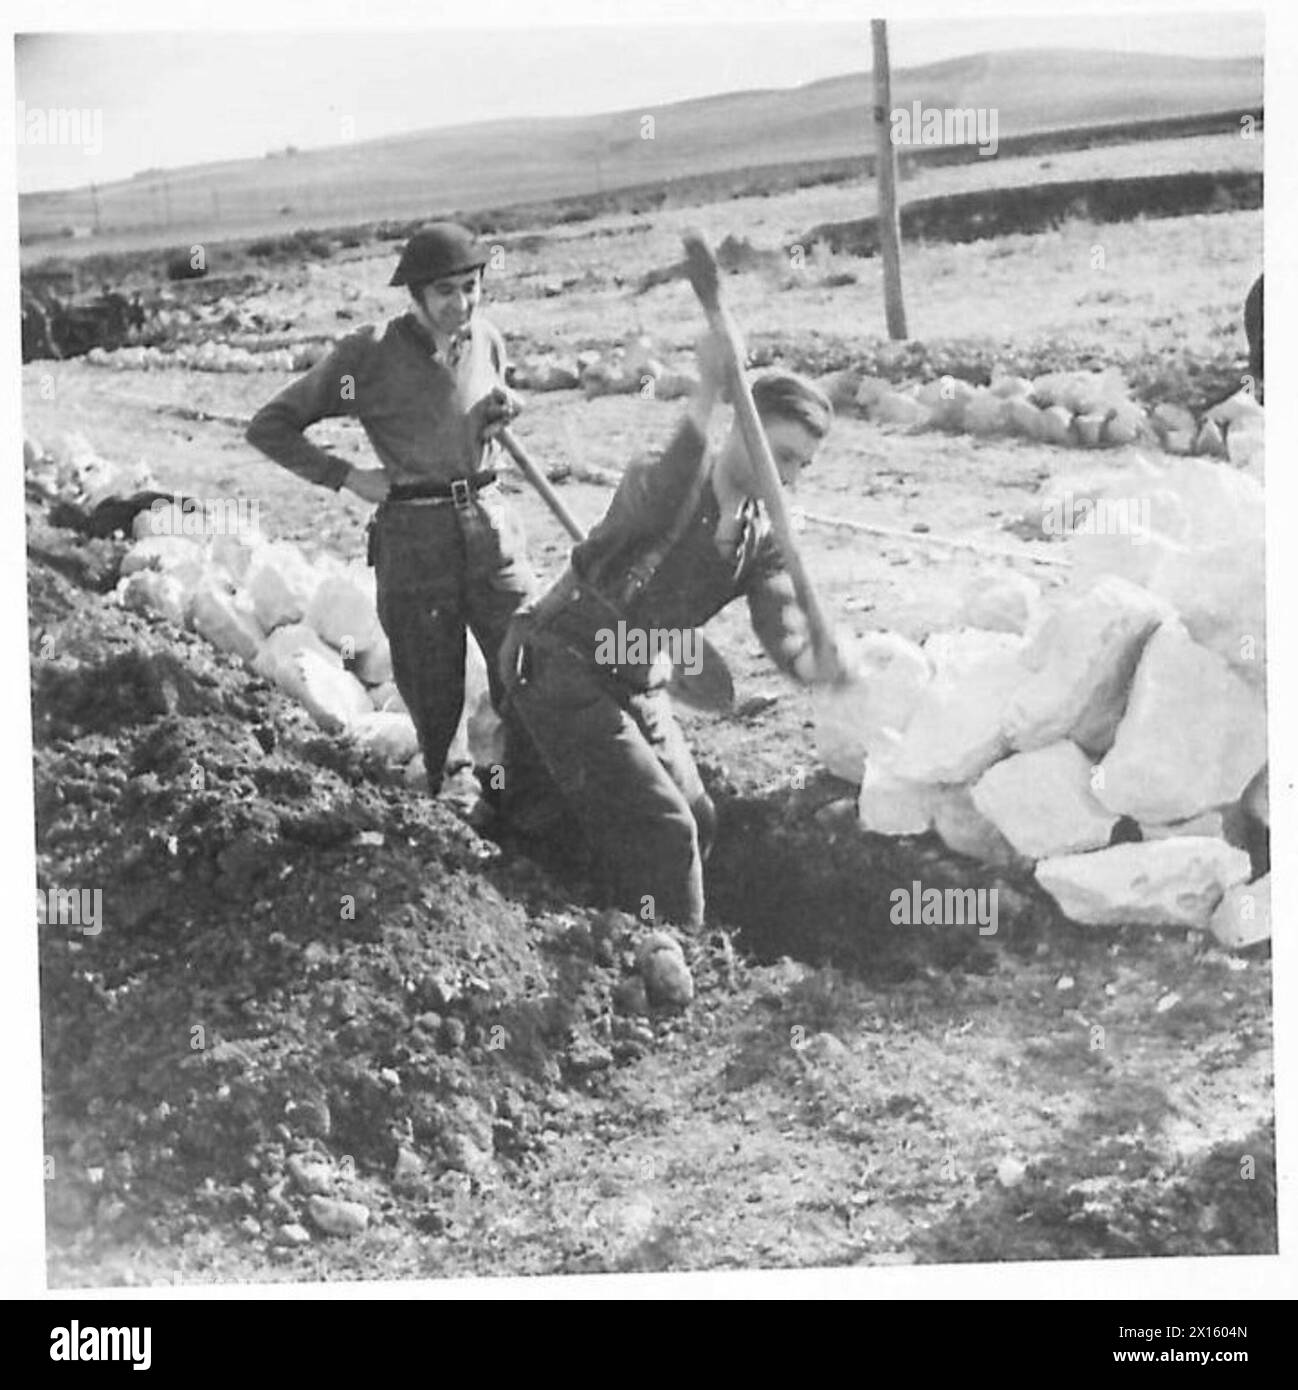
[711, 687]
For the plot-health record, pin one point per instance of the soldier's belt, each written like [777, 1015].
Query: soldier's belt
[459, 492]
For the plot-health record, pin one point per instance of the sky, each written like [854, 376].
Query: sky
[166, 99]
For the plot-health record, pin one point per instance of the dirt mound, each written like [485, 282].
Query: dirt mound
[294, 968]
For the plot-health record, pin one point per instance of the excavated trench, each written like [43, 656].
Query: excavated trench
[794, 875]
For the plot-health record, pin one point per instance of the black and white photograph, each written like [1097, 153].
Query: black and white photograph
[647, 652]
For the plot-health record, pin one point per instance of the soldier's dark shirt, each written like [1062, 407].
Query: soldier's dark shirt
[411, 404]
[693, 582]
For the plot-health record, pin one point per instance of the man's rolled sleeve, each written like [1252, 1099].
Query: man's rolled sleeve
[327, 390]
[777, 617]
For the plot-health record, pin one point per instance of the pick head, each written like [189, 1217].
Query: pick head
[701, 268]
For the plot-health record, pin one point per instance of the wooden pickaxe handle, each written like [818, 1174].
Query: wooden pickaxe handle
[542, 484]
[705, 277]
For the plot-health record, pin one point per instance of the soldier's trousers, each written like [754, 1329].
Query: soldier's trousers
[441, 571]
[627, 774]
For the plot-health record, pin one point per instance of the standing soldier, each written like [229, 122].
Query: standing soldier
[680, 540]
[430, 393]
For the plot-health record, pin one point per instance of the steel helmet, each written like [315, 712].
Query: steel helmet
[438, 250]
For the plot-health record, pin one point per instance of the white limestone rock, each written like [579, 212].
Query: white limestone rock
[1175, 426]
[342, 610]
[945, 400]
[234, 553]
[1010, 387]
[986, 414]
[1125, 425]
[280, 582]
[1057, 425]
[1243, 405]
[1159, 883]
[484, 732]
[388, 733]
[1246, 442]
[955, 731]
[1191, 532]
[1080, 393]
[1042, 802]
[896, 409]
[338, 1218]
[1192, 738]
[226, 620]
[334, 698]
[387, 697]
[1243, 917]
[1210, 441]
[867, 715]
[312, 673]
[275, 661]
[161, 594]
[887, 805]
[870, 391]
[1257, 798]
[1219, 591]
[1025, 419]
[374, 664]
[1080, 662]
[1090, 428]
[1005, 603]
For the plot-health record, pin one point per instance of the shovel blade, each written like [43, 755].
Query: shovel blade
[711, 688]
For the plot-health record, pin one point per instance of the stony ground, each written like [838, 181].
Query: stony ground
[842, 1090]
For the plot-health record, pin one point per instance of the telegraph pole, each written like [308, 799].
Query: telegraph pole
[889, 220]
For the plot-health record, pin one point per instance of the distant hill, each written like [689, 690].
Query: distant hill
[495, 163]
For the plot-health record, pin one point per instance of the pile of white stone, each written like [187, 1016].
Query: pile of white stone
[636, 368]
[310, 626]
[210, 356]
[1134, 693]
[1078, 409]
[72, 471]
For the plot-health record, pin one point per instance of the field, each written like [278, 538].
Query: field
[949, 1106]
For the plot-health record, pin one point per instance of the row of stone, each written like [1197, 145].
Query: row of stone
[635, 369]
[209, 356]
[1090, 410]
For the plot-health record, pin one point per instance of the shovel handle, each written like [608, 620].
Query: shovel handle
[705, 277]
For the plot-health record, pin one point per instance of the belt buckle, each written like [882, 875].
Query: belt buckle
[461, 493]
